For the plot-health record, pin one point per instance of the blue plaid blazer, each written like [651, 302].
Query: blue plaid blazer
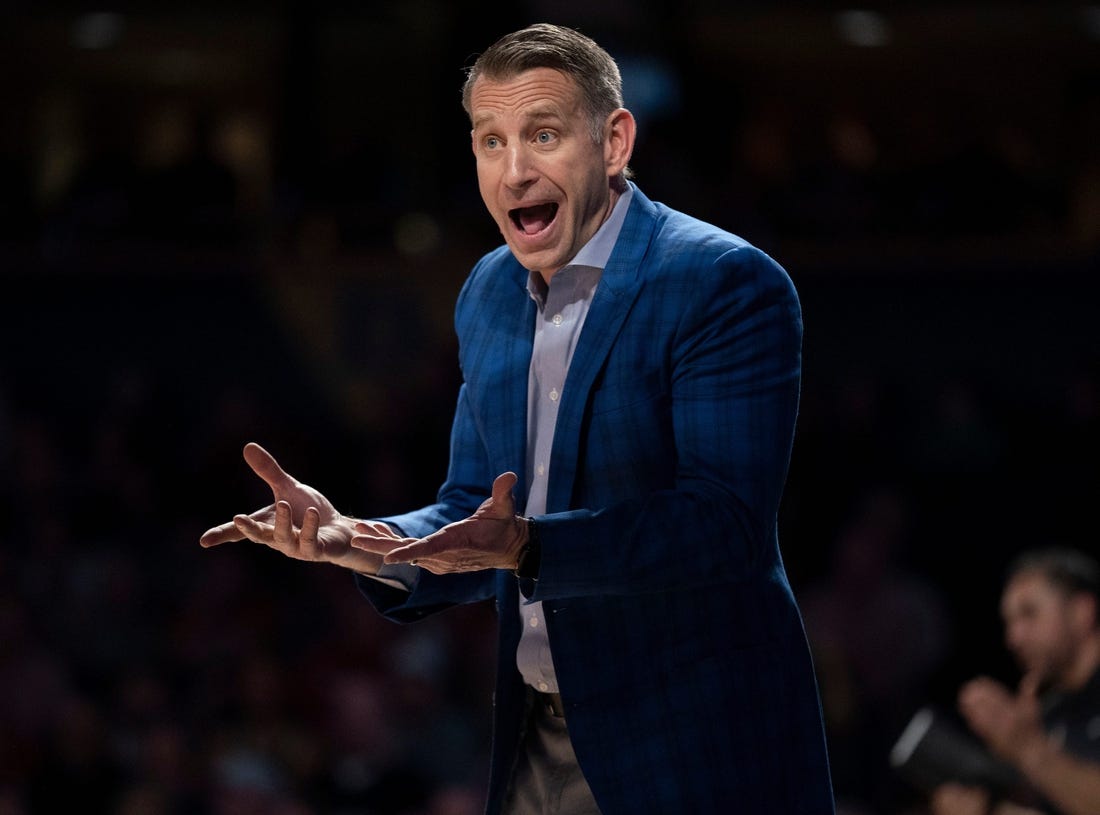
[679, 649]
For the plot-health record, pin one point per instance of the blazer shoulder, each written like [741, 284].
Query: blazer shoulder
[492, 265]
[676, 228]
[684, 245]
[493, 281]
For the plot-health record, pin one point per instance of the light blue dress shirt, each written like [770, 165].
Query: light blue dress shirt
[562, 308]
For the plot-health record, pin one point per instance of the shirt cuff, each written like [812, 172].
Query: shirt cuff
[396, 575]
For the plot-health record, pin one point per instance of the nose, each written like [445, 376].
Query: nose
[520, 171]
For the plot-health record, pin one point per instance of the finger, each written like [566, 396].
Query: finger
[375, 529]
[442, 543]
[1029, 685]
[377, 545]
[283, 534]
[307, 537]
[266, 467]
[979, 698]
[969, 691]
[410, 553]
[977, 705]
[253, 530]
[369, 543]
[435, 566]
[981, 688]
[223, 533]
[982, 682]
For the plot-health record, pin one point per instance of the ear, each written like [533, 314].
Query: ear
[618, 143]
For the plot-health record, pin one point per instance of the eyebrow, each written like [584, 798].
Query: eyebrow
[536, 114]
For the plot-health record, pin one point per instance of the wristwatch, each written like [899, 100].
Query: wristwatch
[530, 556]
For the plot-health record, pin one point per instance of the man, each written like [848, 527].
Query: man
[1049, 730]
[632, 375]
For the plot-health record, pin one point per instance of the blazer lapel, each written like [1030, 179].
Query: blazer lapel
[511, 394]
[496, 327]
[618, 289]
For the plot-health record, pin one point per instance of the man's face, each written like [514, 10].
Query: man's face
[543, 178]
[1038, 626]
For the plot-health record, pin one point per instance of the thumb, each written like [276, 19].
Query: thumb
[1029, 685]
[265, 466]
[502, 491]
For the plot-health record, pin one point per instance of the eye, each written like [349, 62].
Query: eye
[544, 137]
[491, 142]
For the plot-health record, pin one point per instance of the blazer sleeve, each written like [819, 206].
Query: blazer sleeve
[729, 398]
[461, 494]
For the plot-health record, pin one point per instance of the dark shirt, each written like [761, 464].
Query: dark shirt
[1073, 719]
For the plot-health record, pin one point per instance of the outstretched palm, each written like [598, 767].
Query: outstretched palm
[301, 523]
[491, 538]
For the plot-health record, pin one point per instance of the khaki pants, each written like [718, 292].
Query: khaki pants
[547, 779]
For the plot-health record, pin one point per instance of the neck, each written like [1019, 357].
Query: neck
[612, 199]
[1084, 666]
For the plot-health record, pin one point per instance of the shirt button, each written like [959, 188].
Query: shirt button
[534, 622]
[557, 319]
[543, 687]
[554, 395]
[541, 469]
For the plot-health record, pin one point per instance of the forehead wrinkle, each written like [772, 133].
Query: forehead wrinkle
[538, 94]
[537, 113]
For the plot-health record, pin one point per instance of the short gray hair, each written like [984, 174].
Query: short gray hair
[564, 49]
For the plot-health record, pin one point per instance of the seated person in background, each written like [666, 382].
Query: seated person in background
[1049, 730]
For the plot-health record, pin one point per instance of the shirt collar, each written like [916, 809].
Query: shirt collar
[597, 251]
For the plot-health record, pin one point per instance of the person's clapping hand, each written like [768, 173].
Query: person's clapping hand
[959, 799]
[1008, 722]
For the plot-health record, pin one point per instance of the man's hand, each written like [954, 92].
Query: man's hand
[301, 523]
[491, 538]
[1009, 723]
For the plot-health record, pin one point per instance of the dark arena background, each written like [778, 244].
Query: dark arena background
[234, 221]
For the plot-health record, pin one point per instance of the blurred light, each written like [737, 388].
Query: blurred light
[651, 88]
[178, 66]
[98, 30]
[416, 233]
[1090, 15]
[244, 769]
[866, 29]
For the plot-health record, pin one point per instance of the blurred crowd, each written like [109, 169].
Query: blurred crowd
[185, 287]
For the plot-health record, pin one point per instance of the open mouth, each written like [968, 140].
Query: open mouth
[532, 220]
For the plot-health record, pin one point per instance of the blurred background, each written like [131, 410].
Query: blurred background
[234, 221]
